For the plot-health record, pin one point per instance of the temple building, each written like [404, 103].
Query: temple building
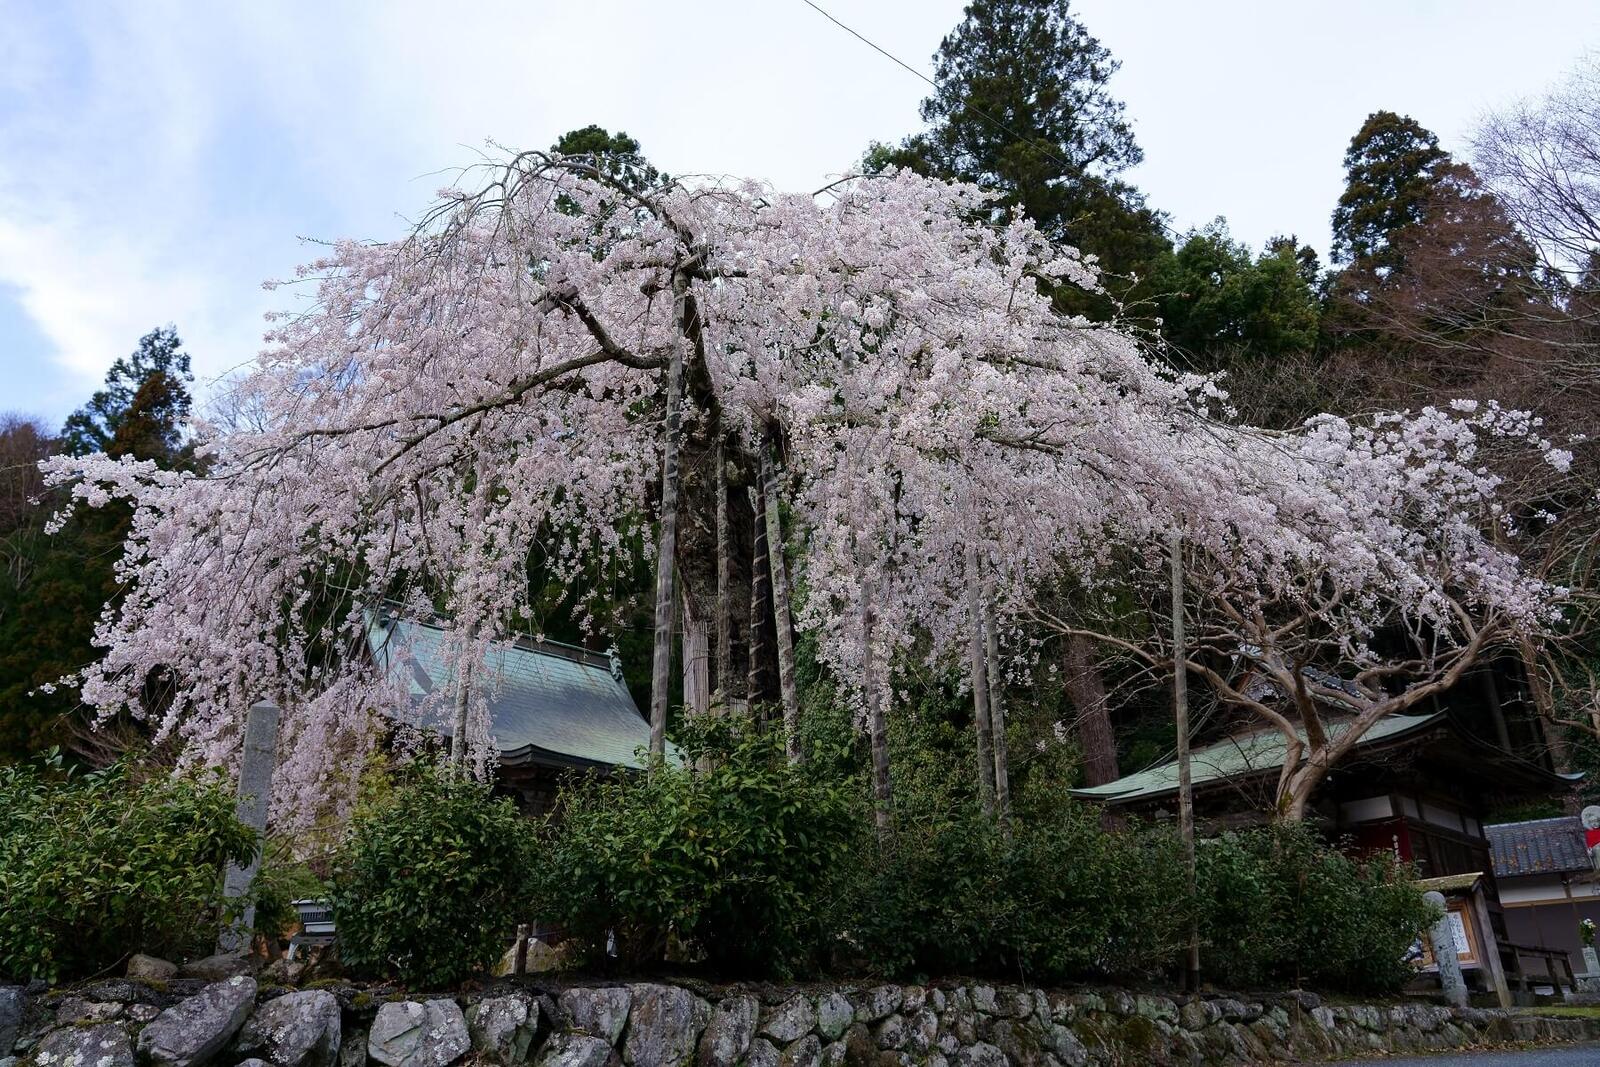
[553, 707]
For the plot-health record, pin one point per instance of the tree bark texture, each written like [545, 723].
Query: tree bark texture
[789, 696]
[696, 657]
[724, 662]
[1086, 688]
[667, 542]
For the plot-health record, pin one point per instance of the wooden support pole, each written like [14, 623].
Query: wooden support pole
[1180, 711]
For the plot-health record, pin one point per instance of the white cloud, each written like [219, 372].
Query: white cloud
[159, 159]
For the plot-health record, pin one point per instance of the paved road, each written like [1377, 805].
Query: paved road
[1565, 1056]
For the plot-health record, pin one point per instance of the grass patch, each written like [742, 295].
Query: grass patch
[1569, 1011]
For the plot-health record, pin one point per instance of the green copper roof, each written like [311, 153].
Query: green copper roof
[1233, 757]
[549, 703]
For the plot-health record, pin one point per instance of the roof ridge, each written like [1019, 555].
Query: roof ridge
[1530, 822]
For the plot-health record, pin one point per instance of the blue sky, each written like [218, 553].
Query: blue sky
[159, 160]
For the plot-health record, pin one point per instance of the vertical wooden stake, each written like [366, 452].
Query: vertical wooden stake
[979, 679]
[724, 675]
[997, 711]
[1180, 711]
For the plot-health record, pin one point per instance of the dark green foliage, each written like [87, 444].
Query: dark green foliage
[1390, 168]
[617, 154]
[1057, 899]
[94, 867]
[1218, 303]
[141, 409]
[431, 879]
[54, 587]
[1021, 106]
[1278, 906]
[48, 608]
[733, 860]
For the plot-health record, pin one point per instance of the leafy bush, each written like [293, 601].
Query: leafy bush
[1058, 899]
[96, 866]
[732, 859]
[1280, 906]
[430, 880]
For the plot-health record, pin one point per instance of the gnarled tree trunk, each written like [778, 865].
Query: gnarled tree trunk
[696, 658]
[667, 542]
[1086, 688]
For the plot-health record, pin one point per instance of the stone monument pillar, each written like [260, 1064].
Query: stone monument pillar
[255, 792]
[1442, 939]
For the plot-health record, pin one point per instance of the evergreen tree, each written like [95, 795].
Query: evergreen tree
[55, 587]
[1021, 106]
[1219, 303]
[1391, 168]
[615, 153]
[141, 408]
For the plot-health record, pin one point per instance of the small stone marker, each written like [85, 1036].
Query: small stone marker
[1443, 941]
[255, 793]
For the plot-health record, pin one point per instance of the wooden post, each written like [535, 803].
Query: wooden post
[978, 678]
[997, 711]
[784, 626]
[1180, 712]
[256, 761]
[758, 598]
[458, 727]
[723, 682]
[877, 726]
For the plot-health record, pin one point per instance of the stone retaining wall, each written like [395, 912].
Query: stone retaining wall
[236, 1021]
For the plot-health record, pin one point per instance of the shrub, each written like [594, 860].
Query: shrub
[96, 866]
[731, 858]
[1278, 905]
[430, 879]
[1058, 899]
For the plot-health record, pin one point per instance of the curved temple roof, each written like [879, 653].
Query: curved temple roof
[1232, 757]
[549, 703]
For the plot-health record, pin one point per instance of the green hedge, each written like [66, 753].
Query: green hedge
[94, 867]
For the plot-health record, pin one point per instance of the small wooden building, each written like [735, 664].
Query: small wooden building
[553, 708]
[1548, 882]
